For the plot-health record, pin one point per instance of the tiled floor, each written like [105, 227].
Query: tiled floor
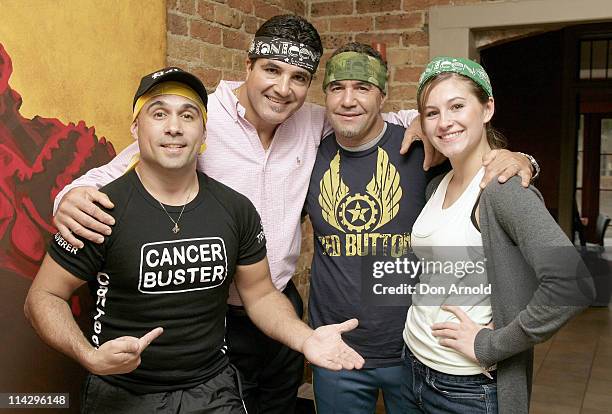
[573, 370]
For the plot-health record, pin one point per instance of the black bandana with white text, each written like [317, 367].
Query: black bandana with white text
[288, 51]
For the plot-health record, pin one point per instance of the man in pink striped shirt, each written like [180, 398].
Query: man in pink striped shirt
[263, 140]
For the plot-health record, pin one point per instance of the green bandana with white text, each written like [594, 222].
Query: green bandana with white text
[462, 66]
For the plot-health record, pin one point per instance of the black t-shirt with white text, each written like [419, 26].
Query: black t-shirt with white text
[144, 276]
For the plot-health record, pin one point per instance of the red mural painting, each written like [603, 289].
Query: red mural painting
[38, 157]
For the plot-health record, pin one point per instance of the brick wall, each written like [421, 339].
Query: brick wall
[402, 25]
[209, 38]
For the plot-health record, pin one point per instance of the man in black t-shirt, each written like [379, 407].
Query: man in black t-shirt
[160, 280]
[362, 200]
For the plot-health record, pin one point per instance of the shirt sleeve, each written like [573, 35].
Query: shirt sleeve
[327, 128]
[83, 263]
[403, 117]
[319, 124]
[100, 176]
[252, 237]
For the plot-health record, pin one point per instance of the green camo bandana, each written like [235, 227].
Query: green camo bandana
[461, 66]
[356, 66]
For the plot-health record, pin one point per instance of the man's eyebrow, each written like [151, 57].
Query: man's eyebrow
[271, 65]
[153, 103]
[303, 73]
[192, 107]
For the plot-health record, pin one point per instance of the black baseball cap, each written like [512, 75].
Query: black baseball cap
[171, 74]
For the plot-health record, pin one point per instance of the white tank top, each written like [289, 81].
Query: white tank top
[434, 232]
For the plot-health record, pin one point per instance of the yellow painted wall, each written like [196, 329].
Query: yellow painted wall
[82, 59]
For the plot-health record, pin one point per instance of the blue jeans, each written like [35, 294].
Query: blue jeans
[433, 392]
[356, 391]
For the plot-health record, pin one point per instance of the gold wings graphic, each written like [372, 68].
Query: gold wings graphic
[332, 190]
[385, 188]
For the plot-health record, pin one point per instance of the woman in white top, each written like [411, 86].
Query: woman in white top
[473, 280]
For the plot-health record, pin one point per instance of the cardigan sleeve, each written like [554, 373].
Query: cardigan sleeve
[564, 287]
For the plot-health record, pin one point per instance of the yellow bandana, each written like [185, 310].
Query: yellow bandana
[171, 88]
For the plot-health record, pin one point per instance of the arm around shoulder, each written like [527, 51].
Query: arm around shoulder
[75, 210]
[100, 176]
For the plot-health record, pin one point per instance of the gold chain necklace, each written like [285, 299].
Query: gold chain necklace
[176, 227]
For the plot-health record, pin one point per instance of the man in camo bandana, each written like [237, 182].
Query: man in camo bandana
[347, 205]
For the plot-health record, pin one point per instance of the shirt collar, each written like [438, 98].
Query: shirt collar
[371, 143]
[229, 101]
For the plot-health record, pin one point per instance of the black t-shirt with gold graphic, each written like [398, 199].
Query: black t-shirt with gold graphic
[362, 204]
[144, 276]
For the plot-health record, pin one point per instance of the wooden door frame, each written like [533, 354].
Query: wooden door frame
[591, 168]
[451, 34]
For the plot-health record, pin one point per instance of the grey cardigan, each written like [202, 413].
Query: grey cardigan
[528, 280]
